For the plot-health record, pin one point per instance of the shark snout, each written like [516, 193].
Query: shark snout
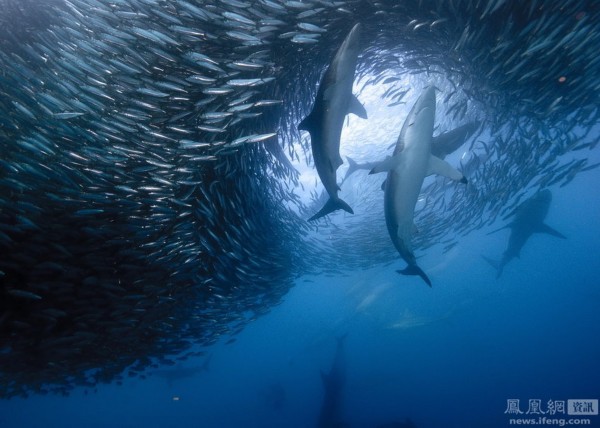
[354, 37]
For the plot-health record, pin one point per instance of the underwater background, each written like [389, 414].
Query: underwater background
[156, 264]
[450, 356]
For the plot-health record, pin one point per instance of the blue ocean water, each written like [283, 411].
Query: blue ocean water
[136, 150]
[449, 356]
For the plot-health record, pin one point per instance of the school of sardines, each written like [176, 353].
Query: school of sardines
[148, 202]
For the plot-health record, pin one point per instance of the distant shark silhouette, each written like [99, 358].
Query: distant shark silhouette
[334, 381]
[529, 219]
[176, 374]
[324, 123]
[409, 321]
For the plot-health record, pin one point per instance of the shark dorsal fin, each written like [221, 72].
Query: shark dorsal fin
[508, 226]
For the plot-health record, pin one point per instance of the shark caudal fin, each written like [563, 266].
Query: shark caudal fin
[495, 264]
[415, 270]
[330, 206]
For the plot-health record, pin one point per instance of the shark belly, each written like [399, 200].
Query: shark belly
[407, 168]
[403, 185]
[329, 150]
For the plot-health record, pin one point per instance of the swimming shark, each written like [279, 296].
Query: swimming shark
[448, 142]
[334, 381]
[324, 123]
[529, 219]
[411, 162]
[441, 146]
[176, 374]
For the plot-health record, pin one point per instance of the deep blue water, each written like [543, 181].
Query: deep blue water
[450, 356]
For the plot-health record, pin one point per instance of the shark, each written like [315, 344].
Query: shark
[334, 382]
[441, 146]
[178, 373]
[324, 123]
[406, 169]
[448, 142]
[528, 219]
[408, 320]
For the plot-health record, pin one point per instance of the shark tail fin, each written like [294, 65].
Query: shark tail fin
[495, 264]
[415, 270]
[333, 204]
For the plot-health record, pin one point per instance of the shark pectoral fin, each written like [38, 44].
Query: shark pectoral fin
[357, 108]
[495, 264]
[387, 164]
[338, 161]
[441, 167]
[544, 228]
[500, 228]
[352, 165]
